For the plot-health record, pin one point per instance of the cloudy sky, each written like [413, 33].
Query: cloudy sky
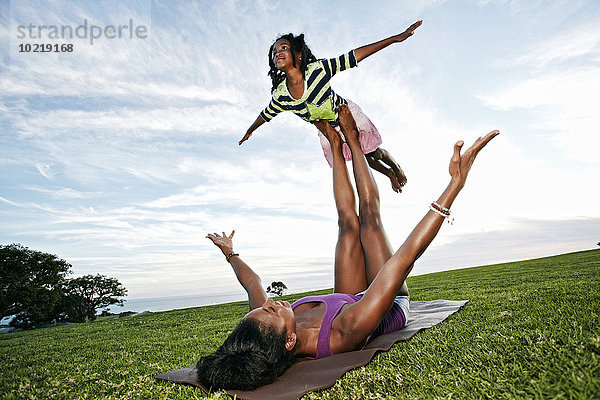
[121, 155]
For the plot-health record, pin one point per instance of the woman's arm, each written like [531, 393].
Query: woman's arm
[245, 275]
[365, 51]
[364, 316]
[257, 122]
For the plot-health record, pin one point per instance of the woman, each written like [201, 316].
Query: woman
[370, 294]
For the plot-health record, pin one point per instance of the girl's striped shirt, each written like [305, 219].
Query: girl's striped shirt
[318, 101]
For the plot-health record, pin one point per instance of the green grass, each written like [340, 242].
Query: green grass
[530, 330]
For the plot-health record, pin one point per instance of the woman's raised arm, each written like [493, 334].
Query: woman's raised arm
[245, 275]
[364, 316]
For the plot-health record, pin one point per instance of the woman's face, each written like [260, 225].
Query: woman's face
[282, 54]
[277, 314]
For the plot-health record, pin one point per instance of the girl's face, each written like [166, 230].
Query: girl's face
[282, 55]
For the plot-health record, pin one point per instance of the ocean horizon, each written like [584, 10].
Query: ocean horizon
[168, 303]
[156, 304]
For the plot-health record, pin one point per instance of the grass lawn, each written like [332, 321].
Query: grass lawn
[530, 330]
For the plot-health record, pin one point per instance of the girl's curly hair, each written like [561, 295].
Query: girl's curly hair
[298, 45]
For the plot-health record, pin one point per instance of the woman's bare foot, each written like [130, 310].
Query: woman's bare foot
[329, 132]
[347, 123]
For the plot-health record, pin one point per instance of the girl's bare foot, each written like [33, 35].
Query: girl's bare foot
[384, 156]
[396, 186]
[400, 176]
[378, 166]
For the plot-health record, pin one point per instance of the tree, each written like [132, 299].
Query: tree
[30, 282]
[88, 293]
[276, 288]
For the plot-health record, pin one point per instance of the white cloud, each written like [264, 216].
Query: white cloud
[558, 81]
[45, 170]
[581, 40]
[82, 83]
[140, 123]
[12, 203]
[61, 192]
[564, 104]
[574, 90]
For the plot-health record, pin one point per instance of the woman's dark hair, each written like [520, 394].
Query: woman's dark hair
[297, 46]
[253, 355]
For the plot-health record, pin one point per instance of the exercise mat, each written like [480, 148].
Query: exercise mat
[308, 375]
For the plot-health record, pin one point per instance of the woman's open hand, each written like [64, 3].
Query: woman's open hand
[408, 32]
[460, 164]
[223, 242]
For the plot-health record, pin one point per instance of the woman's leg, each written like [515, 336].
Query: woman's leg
[375, 244]
[349, 270]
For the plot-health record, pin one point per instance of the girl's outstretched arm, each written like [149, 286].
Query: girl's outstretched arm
[258, 122]
[246, 276]
[365, 51]
[363, 317]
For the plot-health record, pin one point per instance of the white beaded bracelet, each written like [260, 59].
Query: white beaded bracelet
[432, 208]
[439, 206]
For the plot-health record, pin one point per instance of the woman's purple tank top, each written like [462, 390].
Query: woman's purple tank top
[334, 302]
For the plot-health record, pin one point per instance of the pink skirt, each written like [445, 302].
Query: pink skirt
[368, 135]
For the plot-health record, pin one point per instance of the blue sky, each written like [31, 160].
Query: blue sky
[120, 156]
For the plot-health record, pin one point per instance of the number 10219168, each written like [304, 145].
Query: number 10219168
[45, 48]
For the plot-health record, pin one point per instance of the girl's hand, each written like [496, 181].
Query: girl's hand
[224, 242]
[408, 32]
[460, 165]
[246, 137]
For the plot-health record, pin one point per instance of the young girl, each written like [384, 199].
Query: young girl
[301, 85]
